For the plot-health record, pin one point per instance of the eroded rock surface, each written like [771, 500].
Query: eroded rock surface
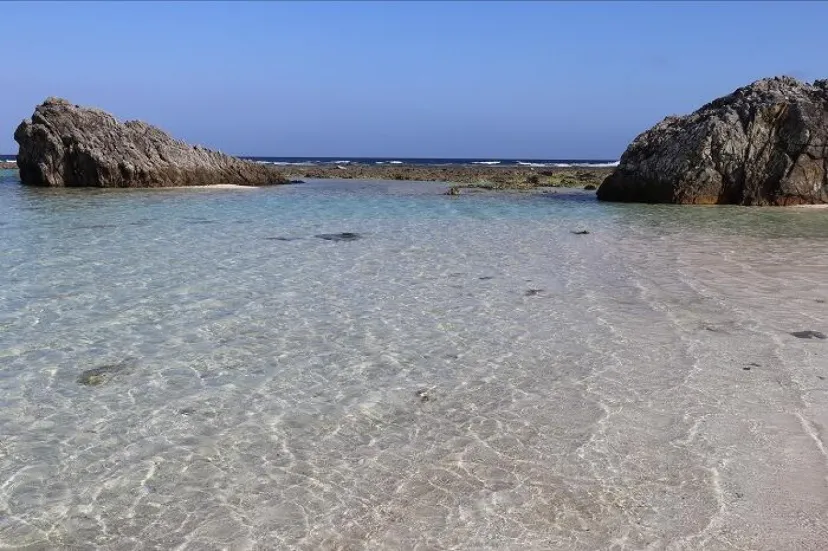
[764, 144]
[65, 145]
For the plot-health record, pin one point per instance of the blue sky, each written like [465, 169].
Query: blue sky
[444, 79]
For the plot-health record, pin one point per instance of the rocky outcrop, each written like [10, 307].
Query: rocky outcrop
[764, 144]
[67, 145]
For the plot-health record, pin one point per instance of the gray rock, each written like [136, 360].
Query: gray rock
[764, 144]
[64, 145]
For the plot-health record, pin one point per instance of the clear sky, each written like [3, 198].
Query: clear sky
[417, 78]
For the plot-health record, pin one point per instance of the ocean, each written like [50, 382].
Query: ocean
[199, 369]
[310, 161]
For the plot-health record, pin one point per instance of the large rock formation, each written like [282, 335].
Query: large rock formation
[67, 145]
[764, 144]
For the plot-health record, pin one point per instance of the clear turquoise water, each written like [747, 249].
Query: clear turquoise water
[468, 375]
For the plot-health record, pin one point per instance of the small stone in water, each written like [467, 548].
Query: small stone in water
[809, 334]
[345, 236]
[99, 375]
[423, 395]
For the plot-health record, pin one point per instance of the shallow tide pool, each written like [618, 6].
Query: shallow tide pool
[468, 373]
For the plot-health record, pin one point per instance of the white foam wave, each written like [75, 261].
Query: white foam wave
[485, 162]
[395, 162]
[285, 163]
[570, 165]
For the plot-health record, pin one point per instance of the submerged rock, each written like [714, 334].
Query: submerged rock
[424, 395]
[809, 334]
[764, 144]
[64, 145]
[99, 375]
[345, 236]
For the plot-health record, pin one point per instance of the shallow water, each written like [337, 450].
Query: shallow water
[469, 374]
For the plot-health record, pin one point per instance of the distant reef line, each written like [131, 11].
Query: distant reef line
[485, 176]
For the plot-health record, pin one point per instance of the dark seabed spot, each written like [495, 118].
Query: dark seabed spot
[95, 227]
[345, 236]
[581, 232]
[485, 278]
[201, 221]
[283, 238]
[809, 334]
[820, 300]
[424, 395]
[533, 292]
[99, 375]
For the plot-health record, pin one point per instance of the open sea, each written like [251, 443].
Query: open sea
[196, 369]
[323, 161]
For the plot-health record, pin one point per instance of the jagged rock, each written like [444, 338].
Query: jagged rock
[764, 144]
[65, 145]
